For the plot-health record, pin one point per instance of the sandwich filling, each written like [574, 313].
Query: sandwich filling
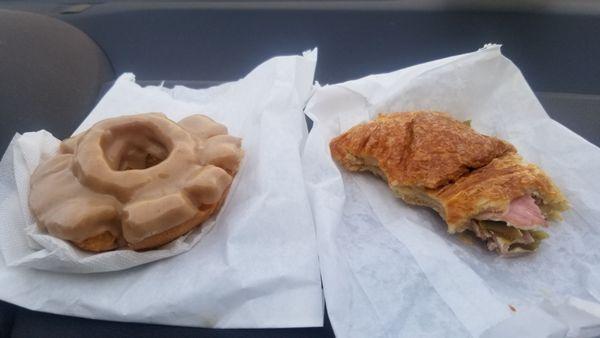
[513, 231]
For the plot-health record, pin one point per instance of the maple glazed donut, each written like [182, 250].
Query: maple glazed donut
[139, 181]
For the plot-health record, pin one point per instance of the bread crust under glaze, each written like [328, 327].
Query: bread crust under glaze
[136, 181]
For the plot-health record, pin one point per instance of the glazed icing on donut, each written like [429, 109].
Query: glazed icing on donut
[134, 177]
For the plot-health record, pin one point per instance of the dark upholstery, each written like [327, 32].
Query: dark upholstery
[50, 74]
[24, 323]
[7, 316]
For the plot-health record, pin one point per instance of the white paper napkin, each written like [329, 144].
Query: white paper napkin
[391, 270]
[254, 265]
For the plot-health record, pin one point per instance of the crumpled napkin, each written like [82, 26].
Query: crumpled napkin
[391, 270]
[254, 265]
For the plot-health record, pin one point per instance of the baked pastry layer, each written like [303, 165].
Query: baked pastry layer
[475, 182]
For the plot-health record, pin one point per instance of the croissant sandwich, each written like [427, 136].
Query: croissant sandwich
[476, 183]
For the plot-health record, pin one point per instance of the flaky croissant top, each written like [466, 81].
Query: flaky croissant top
[138, 181]
[475, 182]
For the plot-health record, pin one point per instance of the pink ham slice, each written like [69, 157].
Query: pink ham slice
[522, 213]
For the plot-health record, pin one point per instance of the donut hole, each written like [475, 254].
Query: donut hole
[134, 147]
[141, 157]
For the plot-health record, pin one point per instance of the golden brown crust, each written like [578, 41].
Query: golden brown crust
[425, 149]
[103, 242]
[430, 159]
[165, 237]
[107, 241]
[493, 187]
